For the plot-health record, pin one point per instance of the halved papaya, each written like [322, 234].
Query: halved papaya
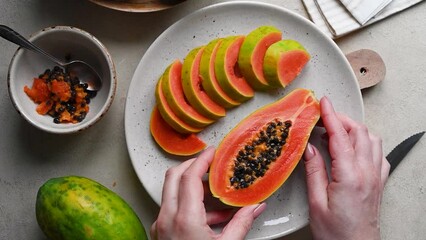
[174, 93]
[172, 141]
[260, 153]
[252, 53]
[228, 71]
[208, 76]
[193, 88]
[284, 61]
[168, 115]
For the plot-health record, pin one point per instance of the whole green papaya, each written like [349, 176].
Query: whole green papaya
[76, 207]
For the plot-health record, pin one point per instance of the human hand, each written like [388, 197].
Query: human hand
[183, 215]
[348, 206]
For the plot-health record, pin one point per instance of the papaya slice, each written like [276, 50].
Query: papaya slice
[172, 141]
[193, 87]
[208, 76]
[284, 61]
[260, 153]
[175, 97]
[228, 72]
[168, 115]
[253, 52]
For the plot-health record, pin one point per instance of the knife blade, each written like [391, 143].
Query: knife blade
[401, 150]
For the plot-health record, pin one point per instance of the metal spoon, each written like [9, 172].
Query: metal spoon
[84, 72]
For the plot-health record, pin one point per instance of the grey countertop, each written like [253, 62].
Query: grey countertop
[394, 109]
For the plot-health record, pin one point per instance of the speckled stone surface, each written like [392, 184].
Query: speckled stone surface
[394, 109]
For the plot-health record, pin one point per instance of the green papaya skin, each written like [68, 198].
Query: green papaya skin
[168, 115]
[208, 76]
[73, 207]
[171, 85]
[283, 62]
[227, 70]
[252, 53]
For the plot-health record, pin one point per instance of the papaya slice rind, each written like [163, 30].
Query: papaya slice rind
[208, 75]
[283, 62]
[301, 108]
[171, 85]
[192, 86]
[168, 115]
[252, 53]
[227, 70]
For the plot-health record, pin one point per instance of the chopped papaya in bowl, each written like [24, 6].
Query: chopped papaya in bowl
[60, 96]
[46, 95]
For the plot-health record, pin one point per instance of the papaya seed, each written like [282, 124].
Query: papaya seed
[253, 159]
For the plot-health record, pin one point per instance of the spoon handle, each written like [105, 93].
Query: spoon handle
[11, 35]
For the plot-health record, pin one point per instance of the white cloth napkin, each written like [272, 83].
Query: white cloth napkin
[364, 10]
[333, 18]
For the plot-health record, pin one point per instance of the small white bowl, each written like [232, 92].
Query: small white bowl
[62, 42]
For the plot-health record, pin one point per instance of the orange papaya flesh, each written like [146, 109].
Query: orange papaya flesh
[44, 107]
[228, 71]
[61, 89]
[208, 76]
[252, 54]
[66, 116]
[39, 91]
[284, 61]
[175, 97]
[193, 88]
[291, 65]
[168, 115]
[172, 141]
[261, 152]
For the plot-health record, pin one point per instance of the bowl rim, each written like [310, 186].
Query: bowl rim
[136, 7]
[78, 127]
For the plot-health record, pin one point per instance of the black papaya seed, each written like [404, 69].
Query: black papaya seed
[253, 159]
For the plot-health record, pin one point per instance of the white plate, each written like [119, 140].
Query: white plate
[328, 73]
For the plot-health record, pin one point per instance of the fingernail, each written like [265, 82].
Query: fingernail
[259, 209]
[309, 152]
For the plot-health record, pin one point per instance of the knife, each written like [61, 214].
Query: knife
[401, 150]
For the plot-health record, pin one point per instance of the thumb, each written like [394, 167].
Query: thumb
[241, 222]
[316, 178]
